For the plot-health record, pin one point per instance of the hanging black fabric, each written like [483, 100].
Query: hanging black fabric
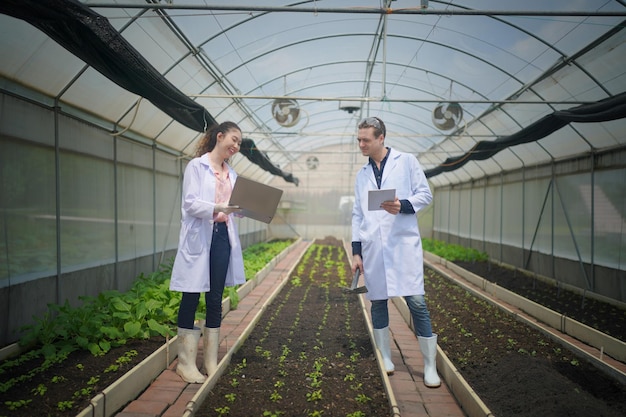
[611, 108]
[249, 149]
[90, 37]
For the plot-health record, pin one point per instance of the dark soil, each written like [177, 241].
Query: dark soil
[515, 370]
[71, 383]
[602, 316]
[310, 354]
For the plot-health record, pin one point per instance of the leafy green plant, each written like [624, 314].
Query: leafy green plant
[275, 396]
[453, 252]
[240, 367]
[40, 390]
[268, 413]
[65, 405]
[83, 392]
[109, 319]
[112, 368]
[222, 411]
[231, 292]
[362, 399]
[356, 387]
[148, 309]
[510, 343]
[14, 405]
[257, 256]
[314, 395]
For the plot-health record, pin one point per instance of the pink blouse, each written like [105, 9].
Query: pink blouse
[223, 190]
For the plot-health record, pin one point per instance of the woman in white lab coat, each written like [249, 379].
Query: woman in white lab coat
[209, 255]
[386, 241]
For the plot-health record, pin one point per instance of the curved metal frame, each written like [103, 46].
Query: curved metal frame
[379, 37]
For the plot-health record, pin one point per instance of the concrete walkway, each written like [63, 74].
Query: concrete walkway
[169, 396]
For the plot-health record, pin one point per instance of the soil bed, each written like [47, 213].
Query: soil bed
[309, 355]
[601, 316]
[66, 388]
[516, 370]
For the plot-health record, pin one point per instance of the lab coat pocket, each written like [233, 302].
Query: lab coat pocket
[193, 241]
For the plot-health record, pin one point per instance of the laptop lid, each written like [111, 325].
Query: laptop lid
[258, 201]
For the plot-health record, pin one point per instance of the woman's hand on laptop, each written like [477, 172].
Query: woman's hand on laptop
[225, 208]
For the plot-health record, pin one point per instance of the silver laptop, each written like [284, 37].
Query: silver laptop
[258, 201]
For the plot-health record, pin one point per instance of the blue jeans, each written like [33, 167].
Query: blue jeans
[417, 307]
[220, 257]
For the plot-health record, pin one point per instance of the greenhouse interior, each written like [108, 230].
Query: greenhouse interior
[516, 112]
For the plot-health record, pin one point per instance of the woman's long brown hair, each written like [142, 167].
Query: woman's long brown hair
[209, 140]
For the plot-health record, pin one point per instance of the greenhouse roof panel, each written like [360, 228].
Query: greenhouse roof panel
[507, 64]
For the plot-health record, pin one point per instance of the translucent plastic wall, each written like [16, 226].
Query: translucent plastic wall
[108, 208]
[82, 211]
[565, 221]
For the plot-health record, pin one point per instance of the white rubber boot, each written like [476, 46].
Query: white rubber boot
[211, 346]
[187, 352]
[428, 346]
[381, 336]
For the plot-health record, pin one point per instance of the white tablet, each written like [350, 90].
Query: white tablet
[376, 197]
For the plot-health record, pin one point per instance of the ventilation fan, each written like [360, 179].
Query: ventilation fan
[447, 116]
[349, 106]
[312, 162]
[286, 111]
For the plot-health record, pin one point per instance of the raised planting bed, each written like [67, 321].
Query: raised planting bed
[66, 383]
[310, 353]
[516, 370]
[600, 313]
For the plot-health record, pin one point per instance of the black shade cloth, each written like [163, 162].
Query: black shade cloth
[611, 108]
[90, 37]
[248, 148]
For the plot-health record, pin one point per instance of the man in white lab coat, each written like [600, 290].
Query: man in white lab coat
[386, 243]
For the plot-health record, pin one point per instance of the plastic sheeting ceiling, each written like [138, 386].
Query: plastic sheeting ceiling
[535, 81]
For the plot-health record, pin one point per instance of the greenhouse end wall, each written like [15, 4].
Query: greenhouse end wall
[564, 221]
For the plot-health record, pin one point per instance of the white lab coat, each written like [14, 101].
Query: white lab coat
[391, 244]
[191, 266]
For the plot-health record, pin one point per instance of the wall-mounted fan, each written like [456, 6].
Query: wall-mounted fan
[447, 116]
[286, 111]
[312, 162]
